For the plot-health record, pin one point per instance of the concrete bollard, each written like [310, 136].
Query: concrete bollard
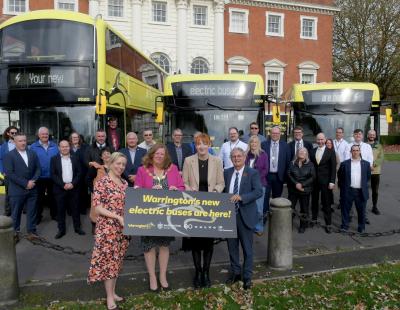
[280, 249]
[8, 264]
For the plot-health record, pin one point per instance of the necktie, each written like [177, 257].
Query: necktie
[236, 189]
[318, 155]
[297, 146]
[274, 151]
[179, 157]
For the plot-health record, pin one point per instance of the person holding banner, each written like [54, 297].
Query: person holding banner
[244, 183]
[110, 244]
[158, 172]
[202, 172]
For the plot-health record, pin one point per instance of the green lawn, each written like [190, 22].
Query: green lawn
[392, 156]
[375, 287]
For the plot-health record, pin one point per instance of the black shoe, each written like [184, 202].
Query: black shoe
[375, 211]
[205, 279]
[233, 278]
[367, 221]
[247, 284]
[80, 232]
[332, 210]
[360, 230]
[328, 229]
[60, 234]
[39, 219]
[302, 230]
[197, 279]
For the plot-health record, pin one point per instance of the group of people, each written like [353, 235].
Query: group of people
[253, 171]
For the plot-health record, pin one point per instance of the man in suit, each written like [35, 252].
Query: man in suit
[134, 154]
[22, 168]
[353, 176]
[298, 142]
[66, 175]
[92, 157]
[324, 160]
[177, 150]
[279, 158]
[244, 183]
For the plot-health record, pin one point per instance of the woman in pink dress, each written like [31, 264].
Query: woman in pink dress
[110, 244]
[158, 172]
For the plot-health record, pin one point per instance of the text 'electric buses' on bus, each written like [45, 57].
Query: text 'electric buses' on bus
[212, 103]
[54, 65]
[323, 107]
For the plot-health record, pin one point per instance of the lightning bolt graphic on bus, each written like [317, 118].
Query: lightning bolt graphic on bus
[17, 78]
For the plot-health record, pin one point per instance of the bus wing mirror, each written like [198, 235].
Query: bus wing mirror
[101, 104]
[389, 116]
[159, 110]
[276, 114]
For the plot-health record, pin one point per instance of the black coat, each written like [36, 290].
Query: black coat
[292, 147]
[56, 172]
[305, 175]
[186, 152]
[326, 169]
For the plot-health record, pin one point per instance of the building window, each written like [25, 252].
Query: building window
[308, 27]
[15, 6]
[307, 78]
[238, 20]
[159, 11]
[275, 24]
[274, 71]
[238, 65]
[162, 60]
[67, 5]
[200, 15]
[308, 72]
[116, 8]
[199, 66]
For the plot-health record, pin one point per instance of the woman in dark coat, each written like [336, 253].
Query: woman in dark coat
[301, 175]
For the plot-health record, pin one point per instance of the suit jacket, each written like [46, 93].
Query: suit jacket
[326, 169]
[283, 157]
[292, 148]
[215, 173]
[344, 178]
[131, 168]
[56, 173]
[186, 152]
[250, 190]
[18, 174]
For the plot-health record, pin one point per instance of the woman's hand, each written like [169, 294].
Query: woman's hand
[157, 187]
[173, 188]
[299, 187]
[121, 220]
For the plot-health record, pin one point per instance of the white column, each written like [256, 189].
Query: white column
[137, 23]
[93, 8]
[219, 36]
[181, 37]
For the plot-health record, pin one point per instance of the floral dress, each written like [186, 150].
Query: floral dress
[110, 244]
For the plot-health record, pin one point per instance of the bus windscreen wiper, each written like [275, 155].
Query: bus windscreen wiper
[207, 101]
[351, 112]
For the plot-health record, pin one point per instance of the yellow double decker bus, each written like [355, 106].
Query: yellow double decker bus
[70, 72]
[323, 107]
[212, 103]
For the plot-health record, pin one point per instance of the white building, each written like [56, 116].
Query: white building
[181, 36]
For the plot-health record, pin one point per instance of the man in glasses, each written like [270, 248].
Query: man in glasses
[148, 140]
[254, 131]
[7, 146]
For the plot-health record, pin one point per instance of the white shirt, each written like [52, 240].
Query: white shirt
[66, 167]
[45, 146]
[366, 152]
[273, 169]
[132, 153]
[146, 146]
[24, 156]
[232, 185]
[342, 148]
[225, 152]
[319, 153]
[355, 173]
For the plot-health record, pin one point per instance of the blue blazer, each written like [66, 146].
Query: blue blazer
[18, 174]
[344, 178]
[283, 157]
[250, 190]
[132, 167]
[3, 151]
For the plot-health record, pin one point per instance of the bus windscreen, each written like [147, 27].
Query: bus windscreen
[39, 41]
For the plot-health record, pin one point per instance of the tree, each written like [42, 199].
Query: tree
[366, 44]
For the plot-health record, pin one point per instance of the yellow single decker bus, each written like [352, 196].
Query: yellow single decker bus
[70, 72]
[212, 103]
[323, 107]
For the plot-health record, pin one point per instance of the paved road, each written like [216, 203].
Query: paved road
[37, 264]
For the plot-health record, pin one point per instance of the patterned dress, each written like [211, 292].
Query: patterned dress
[110, 244]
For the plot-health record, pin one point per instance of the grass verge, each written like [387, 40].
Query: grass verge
[392, 156]
[376, 287]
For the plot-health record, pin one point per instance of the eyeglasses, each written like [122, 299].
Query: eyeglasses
[253, 127]
[13, 132]
[148, 135]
